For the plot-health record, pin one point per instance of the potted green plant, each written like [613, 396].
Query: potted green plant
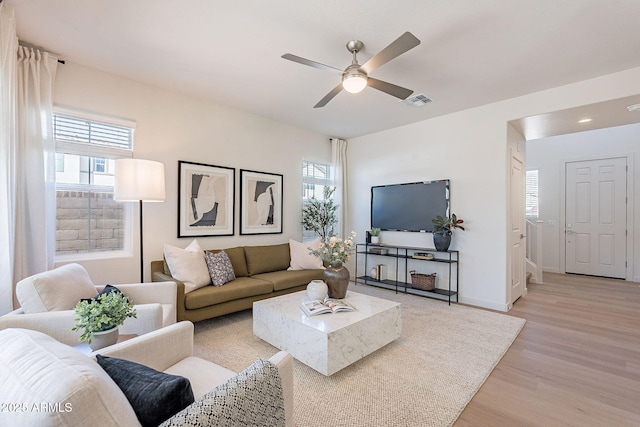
[443, 227]
[375, 235]
[100, 317]
[319, 216]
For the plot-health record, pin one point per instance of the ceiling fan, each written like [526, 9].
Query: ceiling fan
[356, 77]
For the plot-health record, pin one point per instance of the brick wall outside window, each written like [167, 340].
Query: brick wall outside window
[88, 221]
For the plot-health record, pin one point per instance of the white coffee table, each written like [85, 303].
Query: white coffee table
[327, 342]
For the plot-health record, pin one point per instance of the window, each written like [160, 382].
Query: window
[89, 222]
[100, 165]
[315, 177]
[531, 194]
[59, 162]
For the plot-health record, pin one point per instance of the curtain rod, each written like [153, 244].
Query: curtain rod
[31, 46]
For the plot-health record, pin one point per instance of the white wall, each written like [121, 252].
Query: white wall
[549, 155]
[469, 148]
[172, 127]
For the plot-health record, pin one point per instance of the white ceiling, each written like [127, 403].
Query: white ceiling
[472, 52]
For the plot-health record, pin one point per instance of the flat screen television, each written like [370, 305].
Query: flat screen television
[409, 207]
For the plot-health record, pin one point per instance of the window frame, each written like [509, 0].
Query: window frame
[308, 236]
[96, 151]
[532, 190]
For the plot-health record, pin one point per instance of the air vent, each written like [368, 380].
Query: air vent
[417, 100]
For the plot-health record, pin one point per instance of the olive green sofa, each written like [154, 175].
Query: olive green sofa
[261, 272]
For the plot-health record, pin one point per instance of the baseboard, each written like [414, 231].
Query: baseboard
[484, 304]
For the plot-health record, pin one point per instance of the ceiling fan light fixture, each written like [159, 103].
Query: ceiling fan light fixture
[354, 83]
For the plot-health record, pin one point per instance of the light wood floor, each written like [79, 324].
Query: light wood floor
[575, 363]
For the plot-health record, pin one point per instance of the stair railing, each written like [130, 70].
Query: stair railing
[534, 250]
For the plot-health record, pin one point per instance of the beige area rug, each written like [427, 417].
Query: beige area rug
[425, 378]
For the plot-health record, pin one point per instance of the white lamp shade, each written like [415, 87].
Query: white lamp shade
[137, 179]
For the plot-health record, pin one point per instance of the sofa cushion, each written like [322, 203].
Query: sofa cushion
[55, 290]
[37, 370]
[153, 395]
[220, 268]
[242, 287]
[188, 265]
[301, 258]
[202, 374]
[288, 279]
[238, 260]
[263, 259]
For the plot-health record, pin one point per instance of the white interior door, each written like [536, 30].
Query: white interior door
[517, 220]
[596, 217]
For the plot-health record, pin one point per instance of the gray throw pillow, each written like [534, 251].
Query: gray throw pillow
[153, 395]
[220, 268]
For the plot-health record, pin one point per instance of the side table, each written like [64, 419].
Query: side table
[84, 348]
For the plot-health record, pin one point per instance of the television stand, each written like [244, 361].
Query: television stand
[405, 259]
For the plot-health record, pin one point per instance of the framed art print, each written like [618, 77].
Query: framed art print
[206, 196]
[260, 202]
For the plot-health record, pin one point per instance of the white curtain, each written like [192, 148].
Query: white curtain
[8, 48]
[27, 161]
[339, 161]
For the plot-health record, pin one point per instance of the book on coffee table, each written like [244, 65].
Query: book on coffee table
[329, 305]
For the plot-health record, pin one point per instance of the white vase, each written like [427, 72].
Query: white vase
[104, 339]
[317, 289]
[375, 239]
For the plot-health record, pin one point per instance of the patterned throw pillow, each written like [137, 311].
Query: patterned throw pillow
[220, 268]
[251, 398]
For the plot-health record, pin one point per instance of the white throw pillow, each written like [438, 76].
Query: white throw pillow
[188, 265]
[301, 259]
[55, 290]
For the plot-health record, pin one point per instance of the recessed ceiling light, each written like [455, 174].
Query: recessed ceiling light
[584, 121]
[634, 107]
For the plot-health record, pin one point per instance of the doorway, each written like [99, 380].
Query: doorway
[596, 217]
[517, 221]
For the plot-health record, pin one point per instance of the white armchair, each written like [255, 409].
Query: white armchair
[47, 301]
[37, 370]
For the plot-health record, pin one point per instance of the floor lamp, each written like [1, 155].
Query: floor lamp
[140, 181]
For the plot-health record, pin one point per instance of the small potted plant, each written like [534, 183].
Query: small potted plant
[443, 227]
[100, 317]
[375, 235]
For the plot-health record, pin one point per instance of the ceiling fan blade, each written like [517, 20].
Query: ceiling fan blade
[402, 44]
[391, 89]
[310, 63]
[328, 97]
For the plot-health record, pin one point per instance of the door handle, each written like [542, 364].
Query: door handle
[522, 236]
[569, 231]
